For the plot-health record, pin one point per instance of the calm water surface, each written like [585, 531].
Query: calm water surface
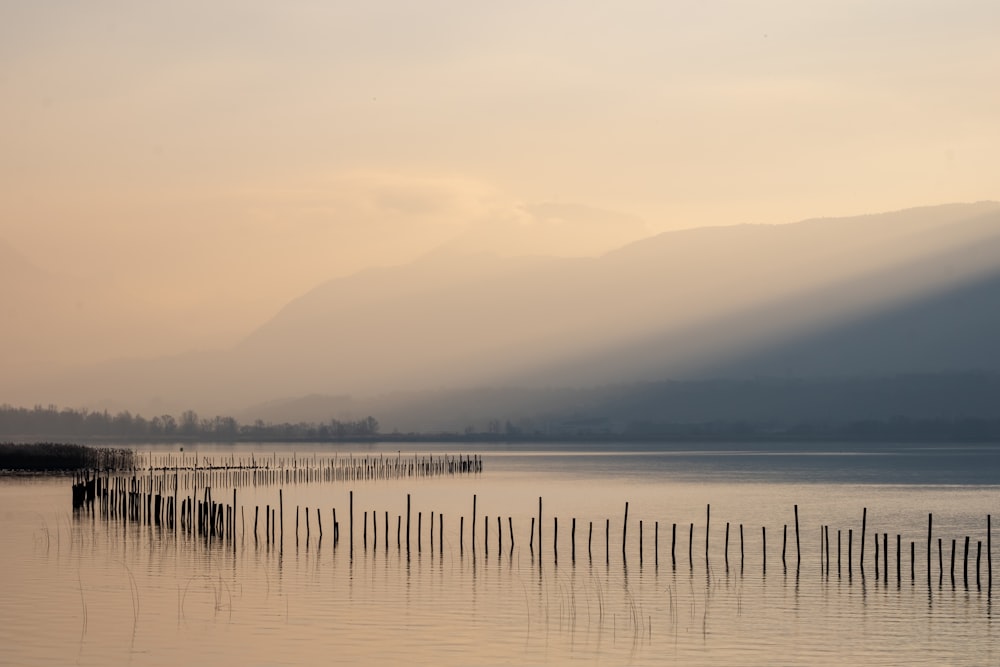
[81, 590]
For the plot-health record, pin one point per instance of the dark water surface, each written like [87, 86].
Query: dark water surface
[78, 589]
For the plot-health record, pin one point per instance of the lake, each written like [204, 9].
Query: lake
[81, 589]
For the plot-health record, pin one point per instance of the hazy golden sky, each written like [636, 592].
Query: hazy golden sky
[211, 160]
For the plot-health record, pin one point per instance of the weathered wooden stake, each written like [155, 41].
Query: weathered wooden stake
[861, 552]
[624, 530]
[930, 524]
[673, 545]
[708, 518]
[798, 549]
[572, 539]
[727, 545]
[953, 563]
[979, 557]
[763, 550]
[965, 563]
[850, 548]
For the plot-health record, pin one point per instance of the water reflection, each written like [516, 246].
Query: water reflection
[505, 600]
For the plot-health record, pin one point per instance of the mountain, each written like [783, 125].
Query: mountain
[897, 293]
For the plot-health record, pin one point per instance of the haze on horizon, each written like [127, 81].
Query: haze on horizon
[171, 176]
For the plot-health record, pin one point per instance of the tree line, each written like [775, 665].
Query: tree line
[51, 422]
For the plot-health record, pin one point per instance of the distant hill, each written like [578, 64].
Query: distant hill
[904, 293]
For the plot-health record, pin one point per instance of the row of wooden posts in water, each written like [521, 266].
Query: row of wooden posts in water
[218, 521]
[166, 473]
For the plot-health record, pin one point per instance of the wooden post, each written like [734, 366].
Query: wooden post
[572, 539]
[965, 563]
[913, 559]
[763, 550]
[486, 535]
[708, 518]
[408, 522]
[885, 555]
[850, 548]
[979, 557]
[531, 540]
[350, 522]
[827, 535]
[741, 547]
[281, 518]
[940, 563]
[555, 538]
[539, 526]
[474, 525]
[727, 545]
[989, 559]
[930, 523]
[899, 548]
[784, 541]
[461, 532]
[861, 554]
[876, 556]
[673, 545]
[590, 539]
[838, 552]
[798, 548]
[624, 530]
[953, 563]
[510, 526]
[607, 541]
[640, 542]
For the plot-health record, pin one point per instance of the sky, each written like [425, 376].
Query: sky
[191, 167]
